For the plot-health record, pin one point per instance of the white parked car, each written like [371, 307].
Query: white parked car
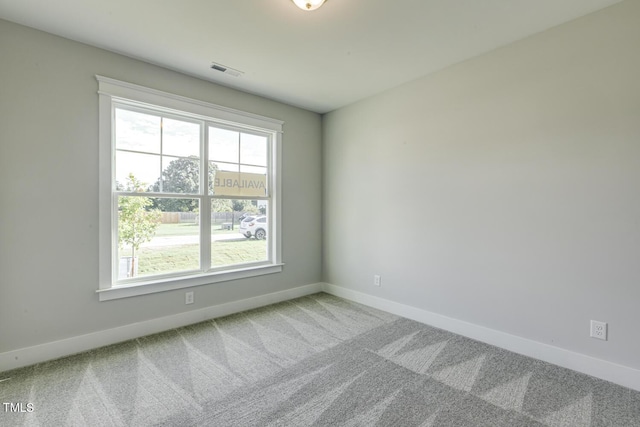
[255, 226]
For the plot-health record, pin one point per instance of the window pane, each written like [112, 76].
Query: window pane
[239, 184]
[157, 236]
[239, 232]
[214, 168]
[253, 169]
[224, 145]
[180, 175]
[180, 138]
[137, 131]
[253, 150]
[219, 166]
[144, 167]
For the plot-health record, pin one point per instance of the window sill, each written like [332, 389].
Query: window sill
[151, 287]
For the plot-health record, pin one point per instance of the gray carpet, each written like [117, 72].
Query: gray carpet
[313, 361]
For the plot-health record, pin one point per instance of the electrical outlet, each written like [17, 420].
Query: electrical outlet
[376, 280]
[189, 298]
[599, 330]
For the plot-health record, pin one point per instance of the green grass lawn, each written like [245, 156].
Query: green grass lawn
[169, 259]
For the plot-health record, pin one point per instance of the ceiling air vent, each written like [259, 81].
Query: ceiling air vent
[227, 70]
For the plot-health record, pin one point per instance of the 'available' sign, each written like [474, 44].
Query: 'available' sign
[239, 184]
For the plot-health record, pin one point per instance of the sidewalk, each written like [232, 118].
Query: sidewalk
[189, 240]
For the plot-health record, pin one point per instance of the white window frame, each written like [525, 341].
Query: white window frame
[114, 92]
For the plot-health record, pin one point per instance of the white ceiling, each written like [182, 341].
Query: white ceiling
[321, 60]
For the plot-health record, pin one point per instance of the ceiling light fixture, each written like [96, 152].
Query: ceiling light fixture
[309, 4]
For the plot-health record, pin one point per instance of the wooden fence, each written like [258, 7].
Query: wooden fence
[192, 217]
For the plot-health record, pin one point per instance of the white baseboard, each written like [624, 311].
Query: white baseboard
[66, 347]
[618, 374]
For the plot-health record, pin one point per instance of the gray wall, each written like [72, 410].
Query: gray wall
[503, 191]
[48, 166]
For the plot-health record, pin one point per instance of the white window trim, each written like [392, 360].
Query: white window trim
[110, 90]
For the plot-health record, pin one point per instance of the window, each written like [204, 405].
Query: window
[189, 192]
